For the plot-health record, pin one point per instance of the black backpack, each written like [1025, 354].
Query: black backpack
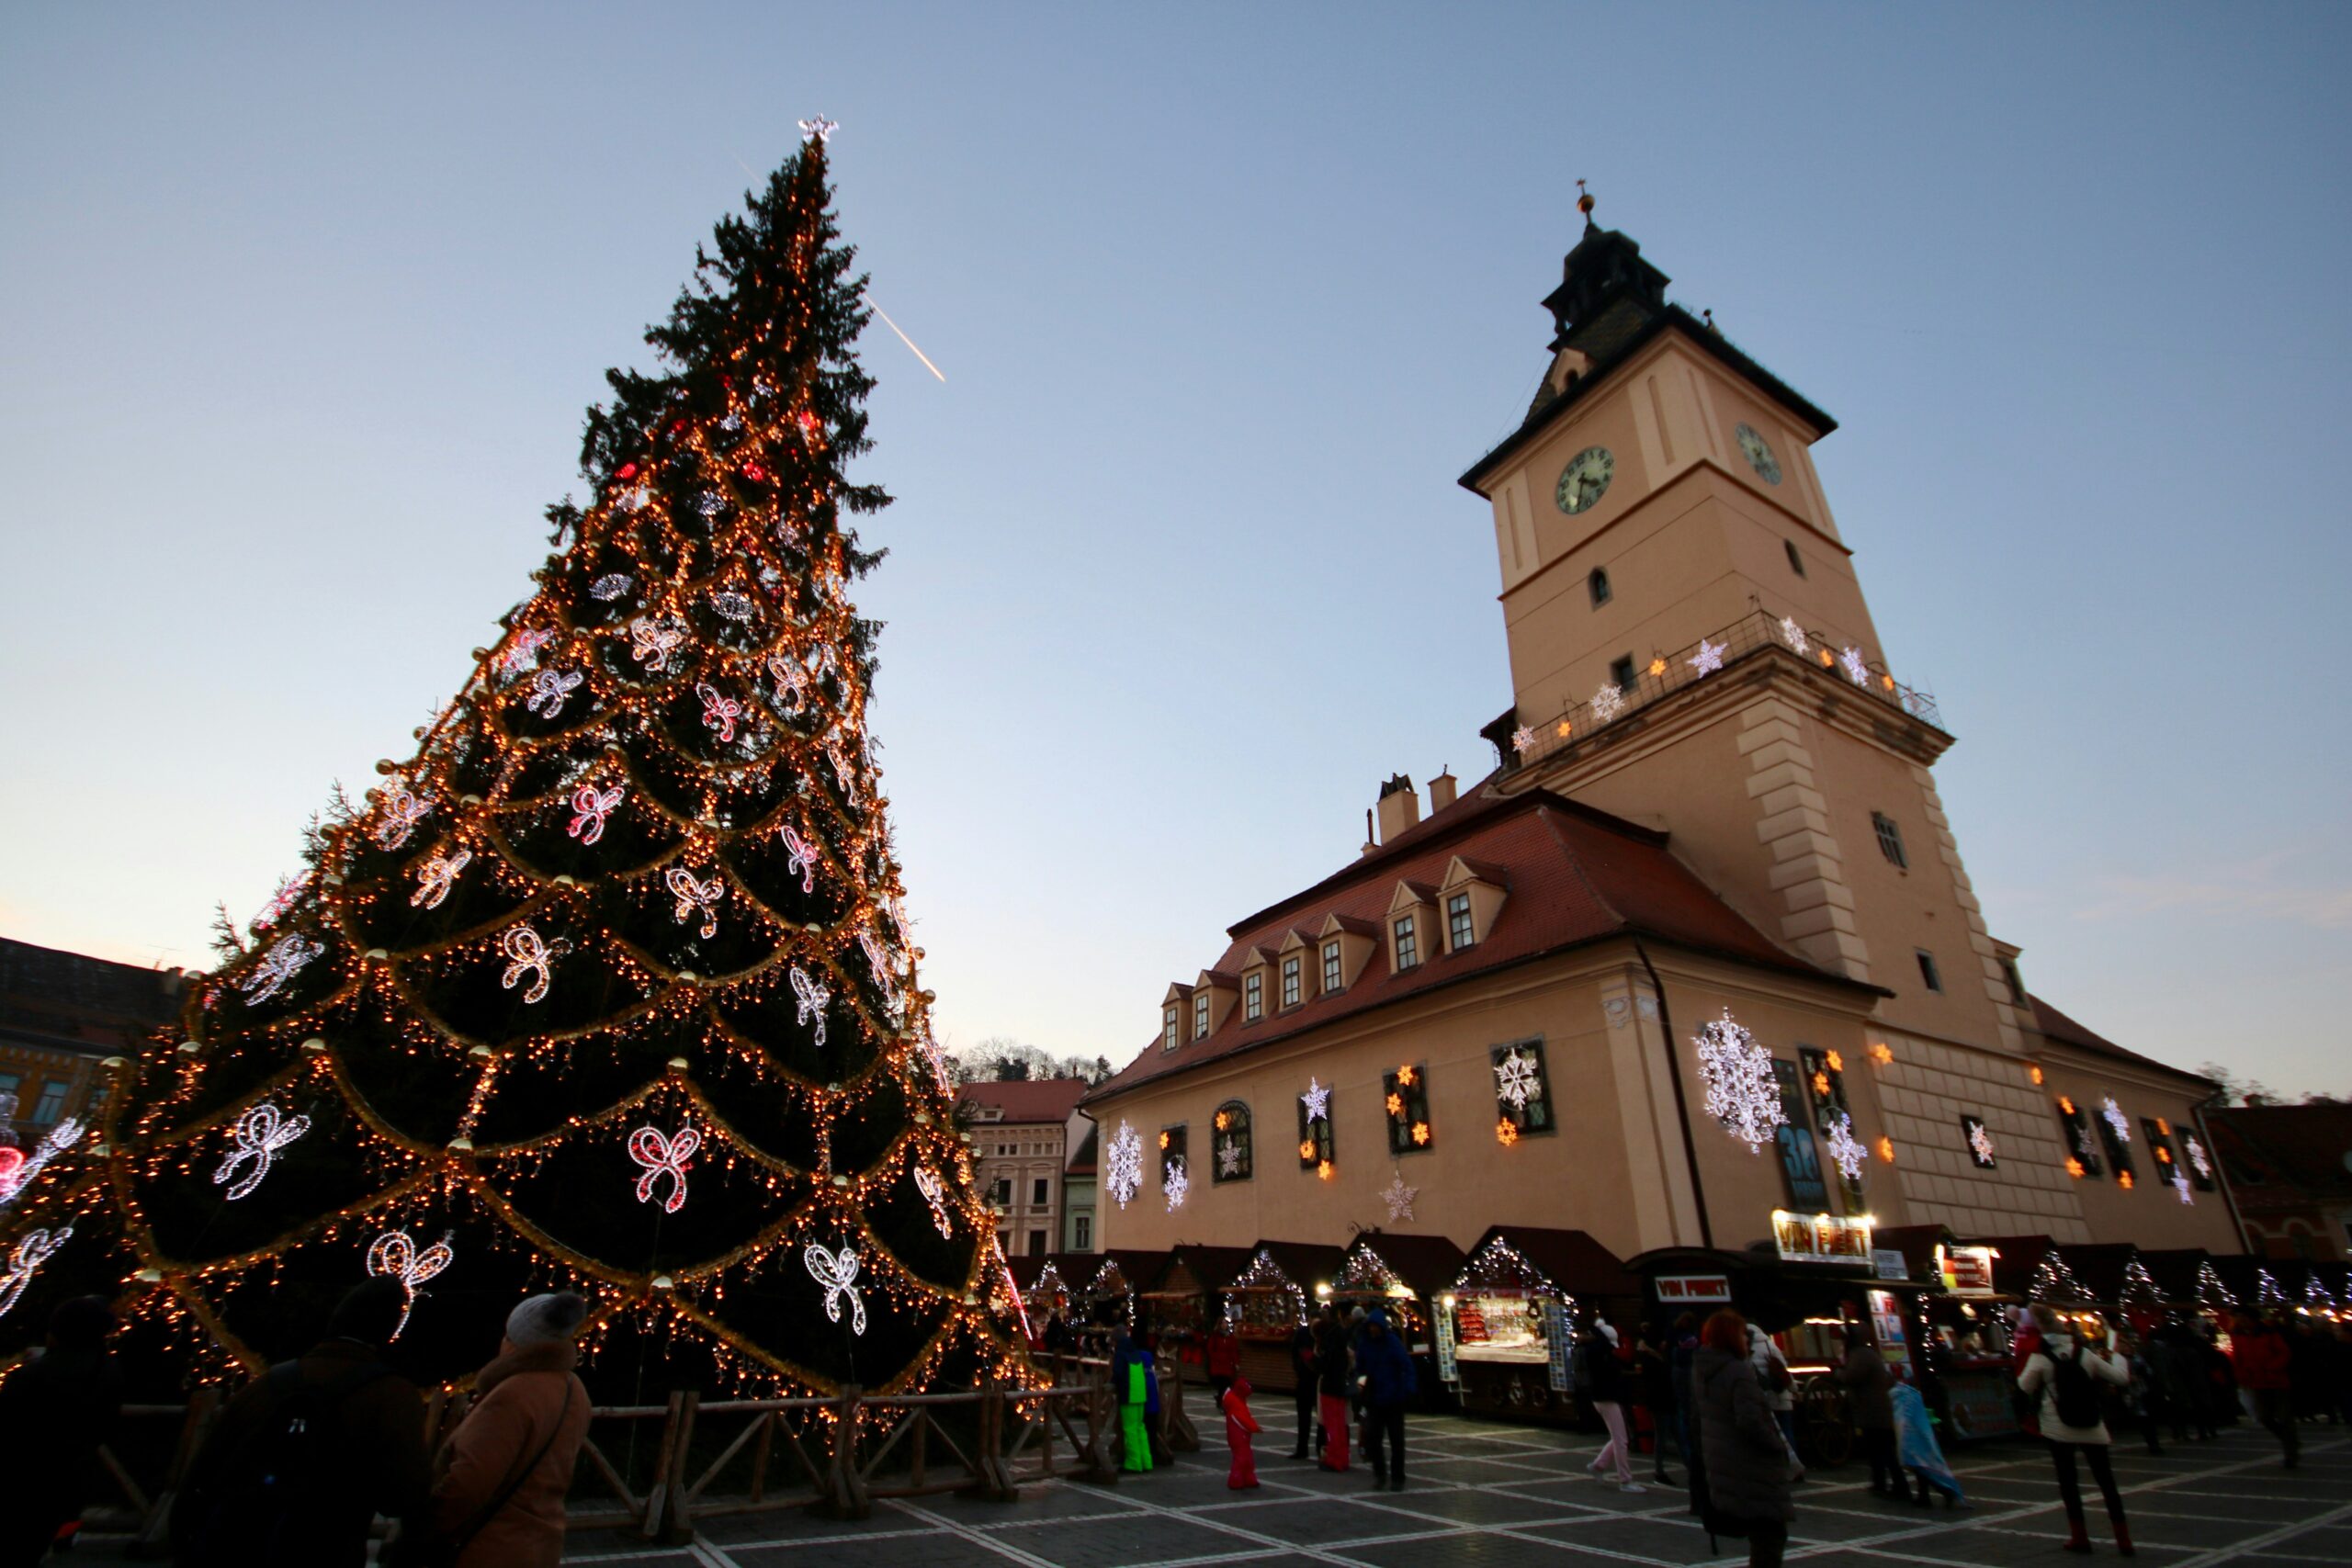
[259, 1502]
[2071, 1387]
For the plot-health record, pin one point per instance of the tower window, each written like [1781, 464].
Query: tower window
[1623, 673]
[1331, 970]
[1409, 949]
[1890, 838]
[1200, 1015]
[1254, 998]
[1928, 971]
[1796, 561]
[1598, 583]
[1459, 930]
[1290, 981]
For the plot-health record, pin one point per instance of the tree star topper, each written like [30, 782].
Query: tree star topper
[819, 128]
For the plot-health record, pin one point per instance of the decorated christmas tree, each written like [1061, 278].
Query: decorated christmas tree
[607, 986]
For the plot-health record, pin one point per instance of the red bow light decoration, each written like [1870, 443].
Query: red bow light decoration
[663, 1156]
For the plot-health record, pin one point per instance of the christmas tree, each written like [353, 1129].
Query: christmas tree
[608, 985]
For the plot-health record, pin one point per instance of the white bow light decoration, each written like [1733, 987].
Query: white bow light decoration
[837, 1272]
[393, 1256]
[260, 1133]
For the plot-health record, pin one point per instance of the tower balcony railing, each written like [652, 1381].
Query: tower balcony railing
[1757, 635]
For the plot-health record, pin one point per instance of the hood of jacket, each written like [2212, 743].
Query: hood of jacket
[1712, 1365]
[1241, 1387]
[557, 1356]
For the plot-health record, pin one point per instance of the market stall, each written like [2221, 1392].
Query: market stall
[1044, 1289]
[1503, 1326]
[2187, 1278]
[1960, 1330]
[1107, 1300]
[1189, 1294]
[1268, 1301]
[1407, 1276]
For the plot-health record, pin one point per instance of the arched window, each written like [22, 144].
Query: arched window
[1599, 585]
[1232, 1150]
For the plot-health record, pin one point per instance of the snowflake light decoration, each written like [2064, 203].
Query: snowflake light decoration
[550, 688]
[2196, 1155]
[1228, 1157]
[664, 1155]
[278, 968]
[1742, 1092]
[1517, 1077]
[810, 998]
[1608, 702]
[436, 876]
[1317, 1101]
[837, 1272]
[1979, 1142]
[1710, 657]
[260, 1133]
[33, 1249]
[934, 1193]
[2180, 1185]
[1794, 634]
[1522, 740]
[1175, 1183]
[1397, 1196]
[393, 1256]
[612, 585]
[1845, 1149]
[1123, 1165]
[2118, 1122]
[1858, 669]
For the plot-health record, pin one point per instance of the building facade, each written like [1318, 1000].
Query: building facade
[1709, 887]
[1022, 1134]
[61, 1015]
[2289, 1169]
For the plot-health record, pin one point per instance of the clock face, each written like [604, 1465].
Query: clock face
[1585, 480]
[1758, 452]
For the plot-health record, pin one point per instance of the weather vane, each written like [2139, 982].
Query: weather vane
[1585, 203]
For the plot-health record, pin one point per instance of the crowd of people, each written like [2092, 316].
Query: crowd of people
[305, 1459]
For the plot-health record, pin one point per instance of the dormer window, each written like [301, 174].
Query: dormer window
[1460, 932]
[1254, 998]
[1290, 981]
[1408, 948]
[1200, 1015]
[1332, 972]
[1598, 586]
[1168, 1022]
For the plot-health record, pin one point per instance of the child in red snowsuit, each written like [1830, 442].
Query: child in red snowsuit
[1238, 1425]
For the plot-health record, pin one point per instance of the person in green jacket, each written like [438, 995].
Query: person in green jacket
[1137, 1390]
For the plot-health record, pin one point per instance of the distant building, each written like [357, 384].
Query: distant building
[1023, 1133]
[61, 1015]
[1081, 1230]
[2291, 1170]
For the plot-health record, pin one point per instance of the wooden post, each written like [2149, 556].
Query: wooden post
[918, 1446]
[657, 1497]
[760, 1452]
[994, 1481]
[1182, 1437]
[846, 1494]
[678, 1526]
[155, 1529]
[1099, 1467]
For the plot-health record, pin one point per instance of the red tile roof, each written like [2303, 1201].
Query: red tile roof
[1034, 1100]
[2306, 1149]
[2067, 1032]
[1573, 875]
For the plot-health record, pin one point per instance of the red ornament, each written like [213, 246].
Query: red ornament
[753, 471]
[626, 471]
[677, 427]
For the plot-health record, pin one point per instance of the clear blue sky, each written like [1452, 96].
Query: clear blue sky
[298, 310]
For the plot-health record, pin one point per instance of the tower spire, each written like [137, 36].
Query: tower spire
[1585, 203]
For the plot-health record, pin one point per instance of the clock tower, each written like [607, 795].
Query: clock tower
[1691, 649]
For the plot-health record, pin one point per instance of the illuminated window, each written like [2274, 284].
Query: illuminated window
[1254, 998]
[1459, 930]
[1409, 947]
[1235, 1157]
[1404, 1097]
[1314, 1142]
[1523, 1089]
[1290, 981]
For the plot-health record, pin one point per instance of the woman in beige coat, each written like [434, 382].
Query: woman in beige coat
[2067, 1374]
[500, 1480]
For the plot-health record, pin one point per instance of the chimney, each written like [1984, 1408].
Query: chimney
[1399, 808]
[1441, 791]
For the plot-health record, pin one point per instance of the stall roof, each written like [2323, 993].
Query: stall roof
[1076, 1269]
[2015, 1257]
[1427, 1264]
[1570, 1259]
[1212, 1267]
[2099, 1266]
[1306, 1263]
[2243, 1275]
[1918, 1243]
[2175, 1271]
[1141, 1268]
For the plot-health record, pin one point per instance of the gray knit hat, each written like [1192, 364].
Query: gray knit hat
[546, 1320]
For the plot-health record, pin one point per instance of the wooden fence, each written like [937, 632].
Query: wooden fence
[834, 1456]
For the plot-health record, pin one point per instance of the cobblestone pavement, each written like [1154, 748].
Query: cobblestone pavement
[1482, 1493]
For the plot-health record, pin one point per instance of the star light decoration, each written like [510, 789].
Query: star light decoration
[1742, 1092]
[837, 1272]
[1317, 1101]
[1228, 1157]
[1608, 702]
[1397, 1196]
[1845, 1149]
[33, 1248]
[1710, 657]
[1794, 634]
[1517, 1077]
[1122, 1167]
[393, 1256]
[662, 1155]
[258, 1135]
[1174, 1183]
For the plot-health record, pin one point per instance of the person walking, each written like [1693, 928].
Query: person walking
[1385, 1372]
[1302, 1372]
[2067, 1374]
[1740, 1480]
[1678, 1357]
[1869, 1393]
[2172, 1352]
[1600, 1377]
[1654, 1383]
[2260, 1358]
[306, 1456]
[1221, 1354]
[59, 1407]
[1331, 1390]
[2144, 1397]
[1138, 1391]
[1241, 1475]
[1780, 1391]
[500, 1478]
[1917, 1449]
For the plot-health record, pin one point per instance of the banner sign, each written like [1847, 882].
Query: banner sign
[1967, 1271]
[1443, 1320]
[1680, 1290]
[1558, 1340]
[1821, 1238]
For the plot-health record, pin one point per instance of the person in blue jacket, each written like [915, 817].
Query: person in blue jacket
[1385, 1372]
[1136, 1386]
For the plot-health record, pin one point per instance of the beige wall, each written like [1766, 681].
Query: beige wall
[2149, 1213]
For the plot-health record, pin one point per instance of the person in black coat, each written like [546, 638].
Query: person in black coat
[1744, 1487]
[1331, 1390]
[57, 1409]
